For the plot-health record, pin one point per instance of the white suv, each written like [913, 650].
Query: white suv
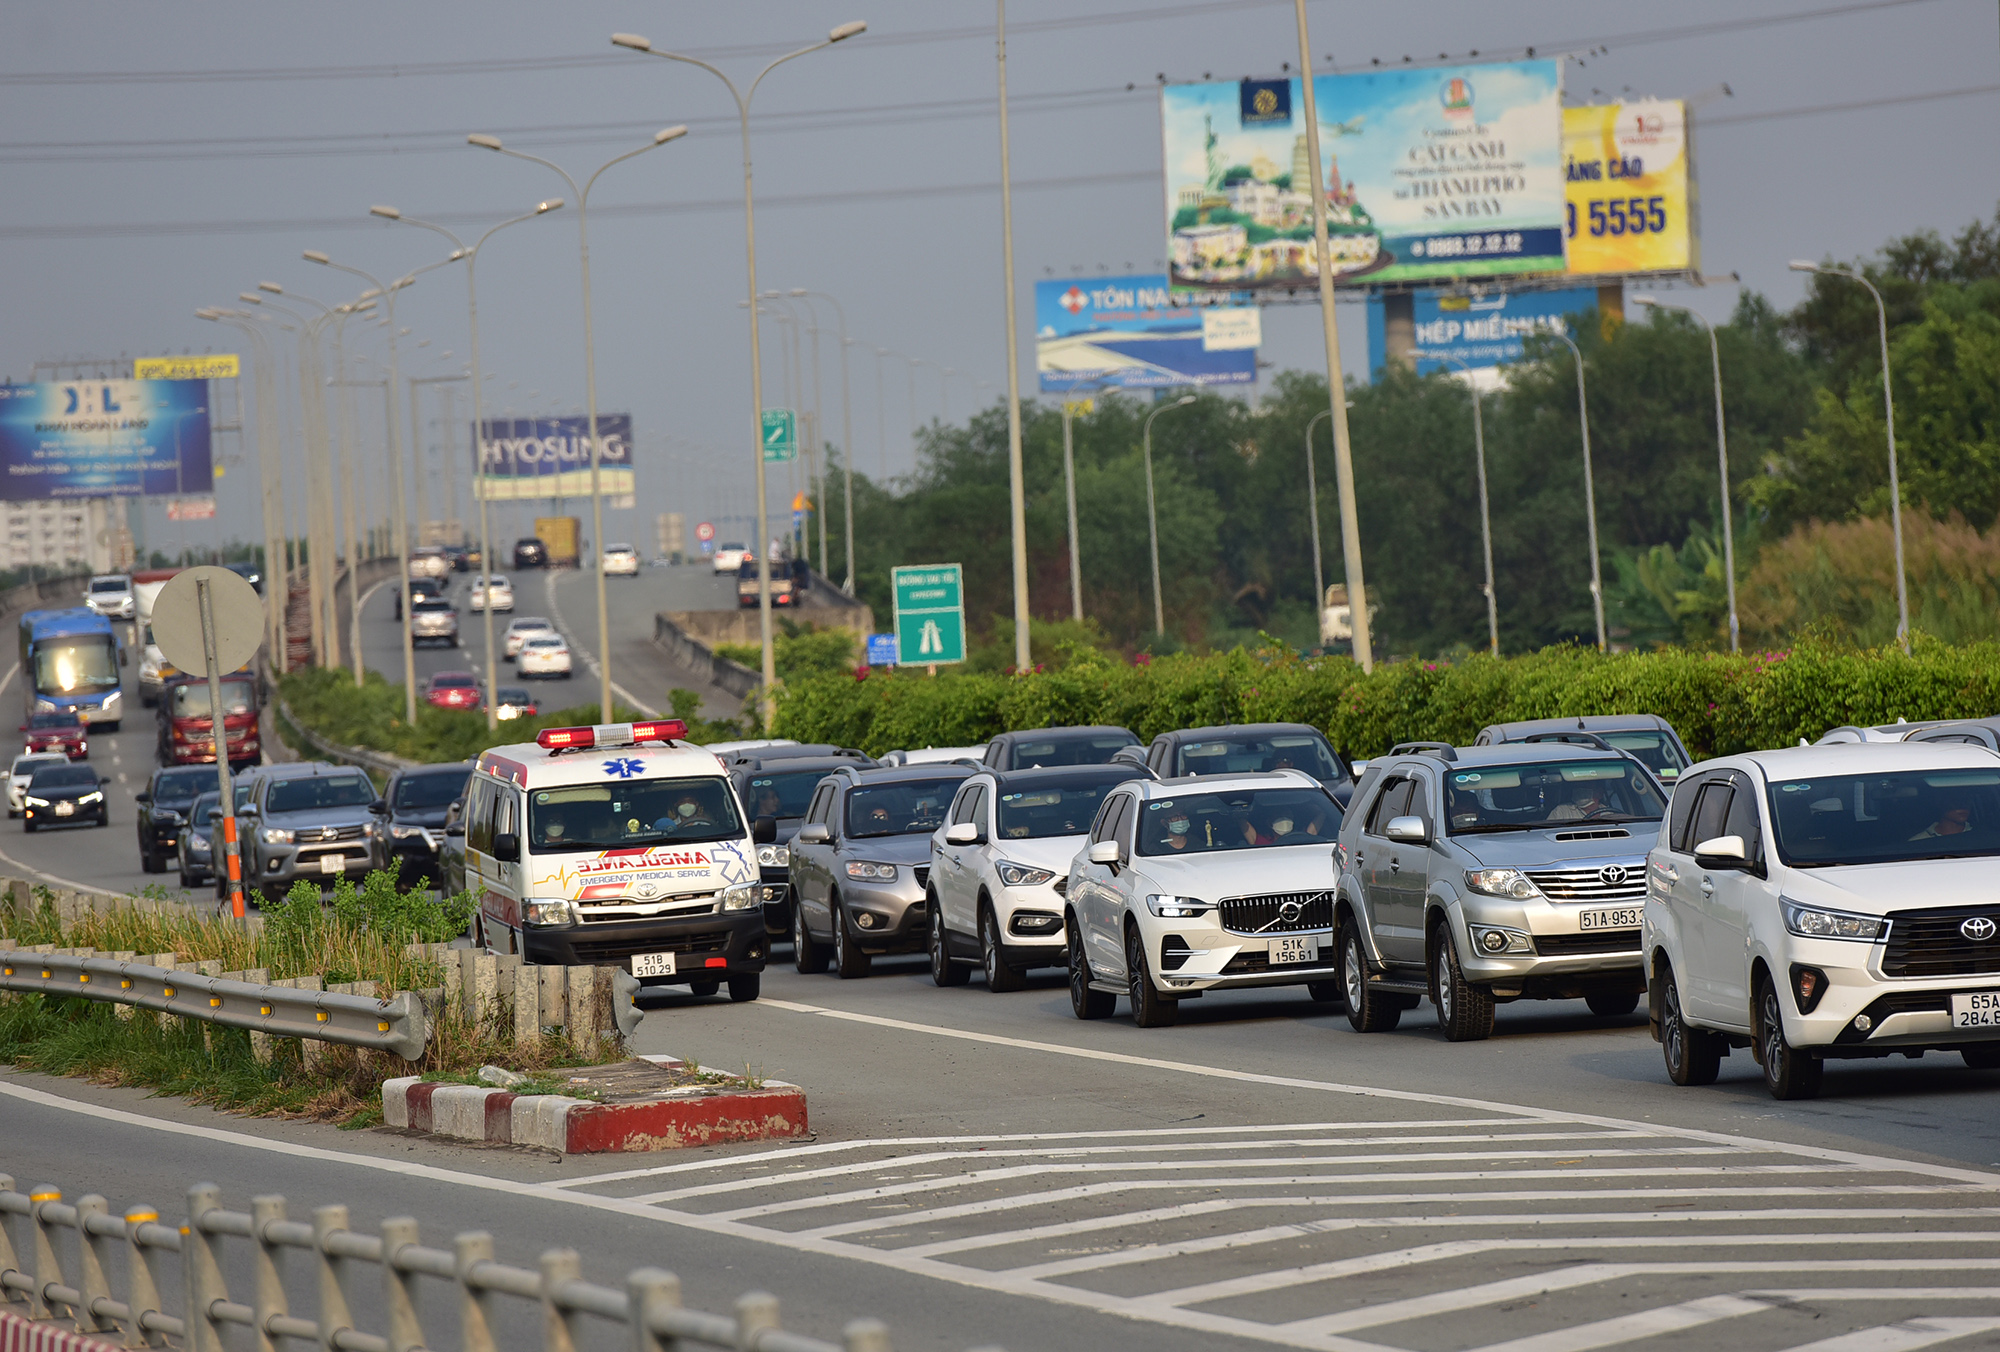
[1827, 902]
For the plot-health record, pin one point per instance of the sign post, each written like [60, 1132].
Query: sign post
[210, 619]
[930, 613]
[781, 434]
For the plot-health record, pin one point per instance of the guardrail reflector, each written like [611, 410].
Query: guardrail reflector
[320, 1015]
[214, 1002]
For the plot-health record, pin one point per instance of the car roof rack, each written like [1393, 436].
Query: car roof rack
[1442, 750]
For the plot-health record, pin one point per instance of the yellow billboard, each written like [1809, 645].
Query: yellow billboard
[1630, 189]
[210, 366]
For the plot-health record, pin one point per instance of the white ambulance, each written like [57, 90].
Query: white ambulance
[617, 845]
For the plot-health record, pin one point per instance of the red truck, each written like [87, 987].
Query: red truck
[187, 735]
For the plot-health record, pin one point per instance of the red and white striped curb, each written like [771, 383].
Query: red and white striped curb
[697, 1115]
[18, 1334]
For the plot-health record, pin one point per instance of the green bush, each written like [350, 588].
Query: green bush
[1720, 703]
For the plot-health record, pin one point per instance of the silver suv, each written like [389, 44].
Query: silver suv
[434, 620]
[1481, 875]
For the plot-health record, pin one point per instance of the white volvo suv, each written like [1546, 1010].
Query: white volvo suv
[1827, 902]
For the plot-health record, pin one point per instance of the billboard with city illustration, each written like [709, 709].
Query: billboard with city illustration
[1442, 172]
[1094, 333]
[525, 458]
[104, 438]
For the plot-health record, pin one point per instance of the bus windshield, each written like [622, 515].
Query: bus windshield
[65, 666]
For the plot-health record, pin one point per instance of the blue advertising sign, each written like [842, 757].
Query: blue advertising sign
[1479, 330]
[104, 438]
[1130, 333]
[881, 650]
[523, 458]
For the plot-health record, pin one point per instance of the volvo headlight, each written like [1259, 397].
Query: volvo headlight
[871, 873]
[1492, 940]
[1020, 875]
[549, 911]
[1500, 882]
[1814, 922]
[1175, 908]
[277, 835]
[741, 897]
[774, 856]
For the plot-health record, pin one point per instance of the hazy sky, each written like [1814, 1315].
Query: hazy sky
[150, 174]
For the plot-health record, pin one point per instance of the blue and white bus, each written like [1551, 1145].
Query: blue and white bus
[70, 661]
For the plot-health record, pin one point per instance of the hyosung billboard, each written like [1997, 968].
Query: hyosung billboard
[1444, 172]
[524, 458]
[104, 438]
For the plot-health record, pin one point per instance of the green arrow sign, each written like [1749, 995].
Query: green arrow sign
[781, 434]
[930, 613]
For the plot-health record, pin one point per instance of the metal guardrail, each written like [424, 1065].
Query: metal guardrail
[648, 1307]
[397, 1024]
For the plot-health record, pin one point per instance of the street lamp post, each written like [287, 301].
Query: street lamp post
[846, 435]
[312, 432]
[471, 257]
[1069, 492]
[1889, 410]
[1017, 491]
[660, 138]
[269, 472]
[1152, 516]
[1485, 516]
[1312, 513]
[1589, 494]
[1722, 461]
[634, 42]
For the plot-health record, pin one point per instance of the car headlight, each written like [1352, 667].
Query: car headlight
[90, 798]
[1492, 939]
[164, 817]
[872, 873]
[1173, 908]
[38, 802]
[275, 835]
[1814, 922]
[406, 832]
[774, 856]
[1020, 875]
[550, 911]
[741, 897]
[197, 845]
[1500, 882]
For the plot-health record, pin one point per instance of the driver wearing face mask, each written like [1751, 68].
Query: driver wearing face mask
[686, 812]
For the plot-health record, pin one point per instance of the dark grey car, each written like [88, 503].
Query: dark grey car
[1251, 748]
[311, 820]
[1647, 738]
[860, 863]
[781, 788]
[1039, 748]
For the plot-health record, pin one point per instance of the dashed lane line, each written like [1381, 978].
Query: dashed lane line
[589, 659]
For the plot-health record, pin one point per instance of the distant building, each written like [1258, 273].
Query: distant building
[53, 534]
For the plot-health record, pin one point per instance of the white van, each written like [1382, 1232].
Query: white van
[618, 846]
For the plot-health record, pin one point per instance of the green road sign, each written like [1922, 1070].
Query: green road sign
[930, 613]
[781, 434]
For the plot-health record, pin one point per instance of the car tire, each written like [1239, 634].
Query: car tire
[1326, 992]
[743, 989]
[704, 987]
[1465, 1011]
[1611, 1004]
[1368, 1010]
[150, 862]
[1788, 1072]
[1084, 1001]
[944, 972]
[1001, 978]
[850, 960]
[28, 828]
[1694, 1055]
[1149, 1008]
[1984, 1056]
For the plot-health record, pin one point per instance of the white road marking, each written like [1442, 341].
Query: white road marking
[1903, 1337]
[58, 881]
[1631, 1327]
[8, 679]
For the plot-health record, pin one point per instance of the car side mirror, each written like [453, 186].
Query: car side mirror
[507, 847]
[247, 810]
[962, 833]
[379, 808]
[214, 815]
[454, 828]
[1106, 852]
[764, 831]
[142, 797]
[1129, 755]
[1409, 831]
[814, 833]
[1722, 852]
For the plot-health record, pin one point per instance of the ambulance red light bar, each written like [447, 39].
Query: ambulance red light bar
[612, 734]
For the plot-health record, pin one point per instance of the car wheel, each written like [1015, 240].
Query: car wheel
[28, 828]
[1326, 992]
[150, 862]
[1149, 1008]
[849, 959]
[807, 955]
[944, 972]
[1465, 1011]
[704, 987]
[1984, 1056]
[999, 976]
[1368, 1011]
[1694, 1055]
[1084, 1001]
[1612, 1004]
[1788, 1072]
[743, 989]
[186, 882]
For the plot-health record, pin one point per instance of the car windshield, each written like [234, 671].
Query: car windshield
[175, 786]
[434, 789]
[106, 584]
[429, 605]
[899, 809]
[82, 664]
[1251, 755]
[316, 791]
[191, 700]
[529, 626]
[781, 795]
[514, 694]
[633, 812]
[62, 777]
[24, 766]
[1095, 749]
[1550, 793]
[463, 680]
[1058, 810]
[545, 643]
[66, 719]
[1654, 748]
[208, 802]
[479, 583]
[1887, 819]
[1238, 819]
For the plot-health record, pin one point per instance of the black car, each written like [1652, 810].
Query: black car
[163, 809]
[421, 589]
[250, 573]
[530, 552]
[1040, 748]
[779, 787]
[194, 850]
[63, 795]
[411, 821]
[1247, 748]
[459, 557]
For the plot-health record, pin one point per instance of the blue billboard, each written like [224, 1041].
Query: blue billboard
[104, 438]
[1133, 333]
[1478, 330]
[524, 458]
